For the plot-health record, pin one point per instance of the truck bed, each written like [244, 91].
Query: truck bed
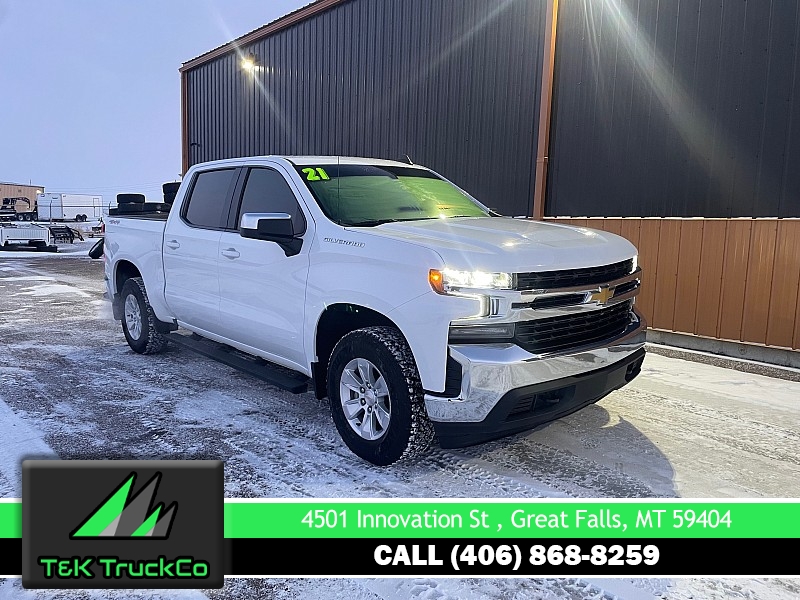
[23, 233]
[147, 210]
[150, 216]
[141, 236]
[26, 237]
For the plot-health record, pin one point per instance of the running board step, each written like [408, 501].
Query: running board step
[280, 377]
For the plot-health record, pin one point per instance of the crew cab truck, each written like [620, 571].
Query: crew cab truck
[415, 309]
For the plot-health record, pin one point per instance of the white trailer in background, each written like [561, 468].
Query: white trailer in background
[70, 207]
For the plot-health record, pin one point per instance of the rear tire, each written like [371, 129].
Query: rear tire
[376, 396]
[139, 320]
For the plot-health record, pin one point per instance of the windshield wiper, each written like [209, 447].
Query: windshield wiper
[371, 222]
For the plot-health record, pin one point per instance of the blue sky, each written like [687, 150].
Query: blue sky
[90, 89]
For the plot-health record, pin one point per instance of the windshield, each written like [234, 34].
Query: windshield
[366, 195]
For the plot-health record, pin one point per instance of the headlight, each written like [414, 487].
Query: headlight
[635, 263]
[448, 281]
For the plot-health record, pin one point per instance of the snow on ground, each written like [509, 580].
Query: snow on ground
[446, 589]
[69, 386]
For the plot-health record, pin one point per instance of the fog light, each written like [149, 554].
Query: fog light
[481, 333]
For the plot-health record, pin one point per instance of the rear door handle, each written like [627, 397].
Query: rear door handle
[230, 253]
[174, 244]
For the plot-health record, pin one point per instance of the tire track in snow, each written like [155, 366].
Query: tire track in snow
[569, 474]
[11, 589]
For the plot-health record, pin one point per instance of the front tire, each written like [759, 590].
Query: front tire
[139, 320]
[376, 396]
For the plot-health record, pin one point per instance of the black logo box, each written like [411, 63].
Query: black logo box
[59, 495]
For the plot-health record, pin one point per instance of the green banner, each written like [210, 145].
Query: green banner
[494, 519]
[10, 519]
[516, 519]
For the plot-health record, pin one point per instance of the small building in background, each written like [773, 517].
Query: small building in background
[18, 201]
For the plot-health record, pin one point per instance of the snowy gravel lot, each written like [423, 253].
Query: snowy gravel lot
[71, 388]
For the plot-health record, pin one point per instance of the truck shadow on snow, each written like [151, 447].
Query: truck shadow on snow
[589, 453]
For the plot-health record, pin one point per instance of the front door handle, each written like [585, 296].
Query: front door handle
[230, 253]
[174, 244]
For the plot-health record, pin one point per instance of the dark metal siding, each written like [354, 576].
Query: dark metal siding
[680, 108]
[452, 83]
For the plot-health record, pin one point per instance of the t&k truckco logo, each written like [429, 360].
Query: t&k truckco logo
[125, 517]
[108, 531]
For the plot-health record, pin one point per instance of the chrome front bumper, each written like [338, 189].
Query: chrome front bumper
[491, 371]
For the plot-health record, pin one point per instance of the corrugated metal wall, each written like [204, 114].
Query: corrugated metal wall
[680, 108]
[453, 83]
[733, 279]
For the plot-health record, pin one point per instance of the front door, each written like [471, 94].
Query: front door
[262, 290]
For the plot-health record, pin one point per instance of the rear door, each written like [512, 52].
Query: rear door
[191, 247]
[262, 289]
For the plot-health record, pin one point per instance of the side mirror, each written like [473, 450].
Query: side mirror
[272, 227]
[275, 227]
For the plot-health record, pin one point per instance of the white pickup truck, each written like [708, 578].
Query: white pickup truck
[415, 309]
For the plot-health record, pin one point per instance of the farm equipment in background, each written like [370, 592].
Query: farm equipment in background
[18, 209]
[64, 234]
[98, 230]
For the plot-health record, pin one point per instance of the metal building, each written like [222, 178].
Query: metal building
[687, 110]
[447, 83]
[673, 123]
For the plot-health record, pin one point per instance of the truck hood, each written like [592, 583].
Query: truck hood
[503, 244]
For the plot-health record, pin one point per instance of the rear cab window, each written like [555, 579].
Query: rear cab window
[207, 206]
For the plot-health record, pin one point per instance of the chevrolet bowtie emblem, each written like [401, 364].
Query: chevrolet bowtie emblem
[603, 295]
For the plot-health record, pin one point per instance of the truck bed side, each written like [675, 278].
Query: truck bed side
[133, 248]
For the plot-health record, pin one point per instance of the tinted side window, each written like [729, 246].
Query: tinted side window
[266, 191]
[209, 199]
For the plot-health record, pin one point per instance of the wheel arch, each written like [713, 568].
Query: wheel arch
[123, 270]
[405, 430]
[336, 321]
